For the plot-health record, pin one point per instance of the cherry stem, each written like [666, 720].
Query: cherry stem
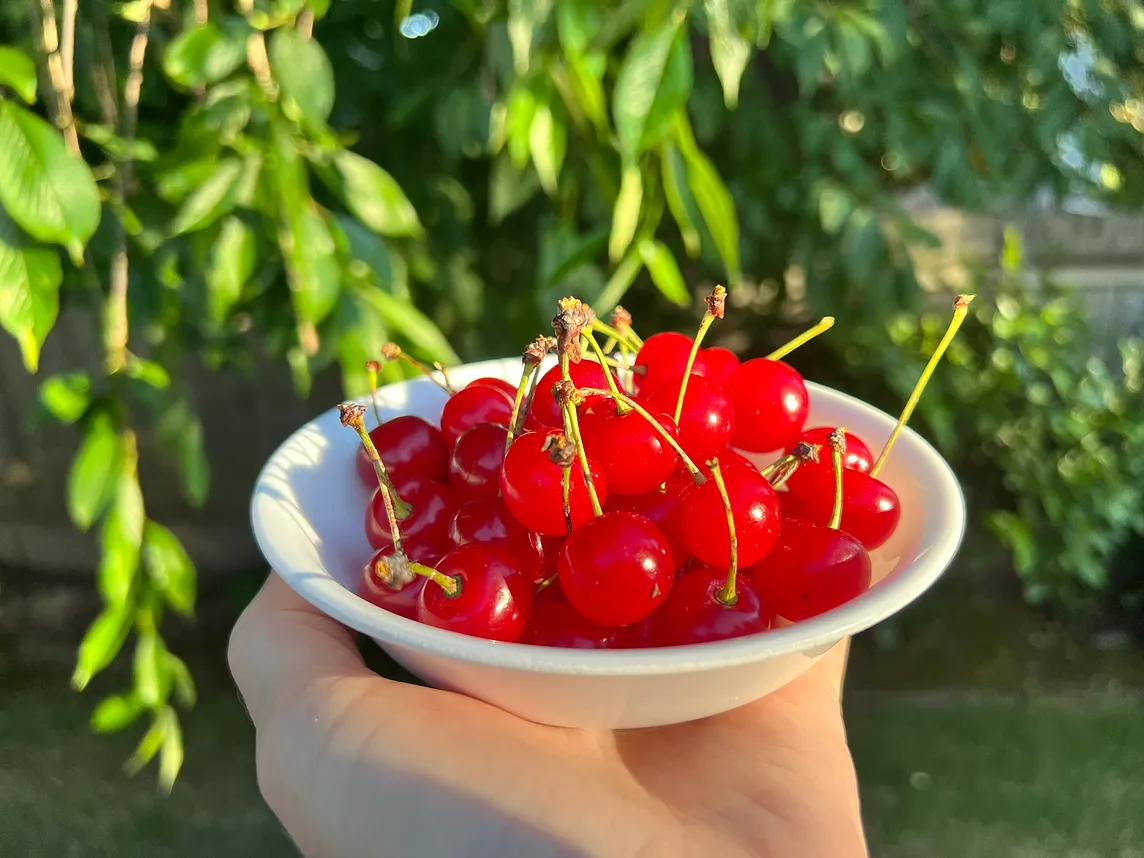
[572, 430]
[628, 337]
[802, 339]
[609, 380]
[726, 594]
[837, 441]
[782, 469]
[395, 508]
[960, 309]
[372, 367]
[715, 303]
[623, 398]
[518, 411]
[451, 584]
[392, 351]
[566, 490]
[544, 585]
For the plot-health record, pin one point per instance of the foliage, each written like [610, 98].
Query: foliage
[316, 177]
[1051, 438]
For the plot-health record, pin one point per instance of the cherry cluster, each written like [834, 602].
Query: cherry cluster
[606, 501]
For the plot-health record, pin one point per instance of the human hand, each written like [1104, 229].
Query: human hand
[357, 766]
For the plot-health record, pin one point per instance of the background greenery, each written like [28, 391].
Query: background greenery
[314, 177]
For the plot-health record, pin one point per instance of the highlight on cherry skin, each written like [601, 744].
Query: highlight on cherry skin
[603, 501]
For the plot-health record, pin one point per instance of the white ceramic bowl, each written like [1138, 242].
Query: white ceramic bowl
[307, 514]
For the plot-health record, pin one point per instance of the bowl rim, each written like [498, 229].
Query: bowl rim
[326, 593]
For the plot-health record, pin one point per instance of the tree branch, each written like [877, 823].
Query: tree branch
[49, 39]
[202, 12]
[103, 75]
[67, 47]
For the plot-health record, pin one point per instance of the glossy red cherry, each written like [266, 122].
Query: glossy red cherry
[658, 507]
[702, 520]
[474, 467]
[546, 411]
[858, 456]
[616, 569]
[470, 406]
[720, 363]
[533, 491]
[554, 622]
[771, 404]
[635, 636]
[811, 570]
[664, 356]
[707, 420]
[632, 453]
[433, 504]
[496, 384]
[489, 522]
[402, 601]
[410, 447]
[493, 598]
[870, 508]
[693, 612]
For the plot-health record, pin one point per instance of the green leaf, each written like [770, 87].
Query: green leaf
[389, 271]
[305, 76]
[181, 680]
[653, 84]
[171, 753]
[216, 197]
[122, 537]
[509, 188]
[105, 138]
[525, 18]
[145, 667]
[586, 75]
[618, 284]
[548, 140]
[18, 72]
[577, 22]
[115, 712]
[300, 373]
[181, 434]
[373, 195]
[148, 372]
[519, 113]
[413, 325]
[664, 271]
[834, 207]
[169, 567]
[151, 742]
[66, 396]
[30, 279]
[730, 51]
[205, 54]
[101, 643]
[232, 262]
[679, 200]
[364, 333]
[44, 188]
[717, 207]
[853, 48]
[311, 265]
[625, 213]
[92, 479]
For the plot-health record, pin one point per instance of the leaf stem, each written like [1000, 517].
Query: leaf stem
[802, 339]
[726, 594]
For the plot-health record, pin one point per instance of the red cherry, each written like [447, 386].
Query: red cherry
[702, 521]
[658, 507]
[489, 522]
[532, 486]
[664, 356]
[554, 622]
[544, 408]
[635, 636]
[470, 406]
[870, 508]
[410, 447]
[474, 467]
[707, 418]
[632, 453]
[494, 598]
[771, 404]
[551, 592]
[428, 524]
[616, 569]
[858, 456]
[693, 613]
[496, 384]
[811, 570]
[402, 601]
[720, 363]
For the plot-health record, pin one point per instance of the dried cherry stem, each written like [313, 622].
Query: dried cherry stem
[566, 490]
[691, 467]
[573, 319]
[780, 470]
[622, 322]
[716, 303]
[353, 415]
[726, 594]
[802, 339]
[561, 454]
[451, 584]
[837, 440]
[372, 367]
[621, 408]
[392, 351]
[960, 309]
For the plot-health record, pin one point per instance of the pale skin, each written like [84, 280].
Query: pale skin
[357, 766]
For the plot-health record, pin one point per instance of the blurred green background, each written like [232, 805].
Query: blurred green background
[213, 213]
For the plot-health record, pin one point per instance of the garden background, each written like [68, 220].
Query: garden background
[212, 213]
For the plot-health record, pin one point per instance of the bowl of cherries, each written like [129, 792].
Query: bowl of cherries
[610, 531]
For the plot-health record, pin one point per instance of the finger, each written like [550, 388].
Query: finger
[281, 645]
